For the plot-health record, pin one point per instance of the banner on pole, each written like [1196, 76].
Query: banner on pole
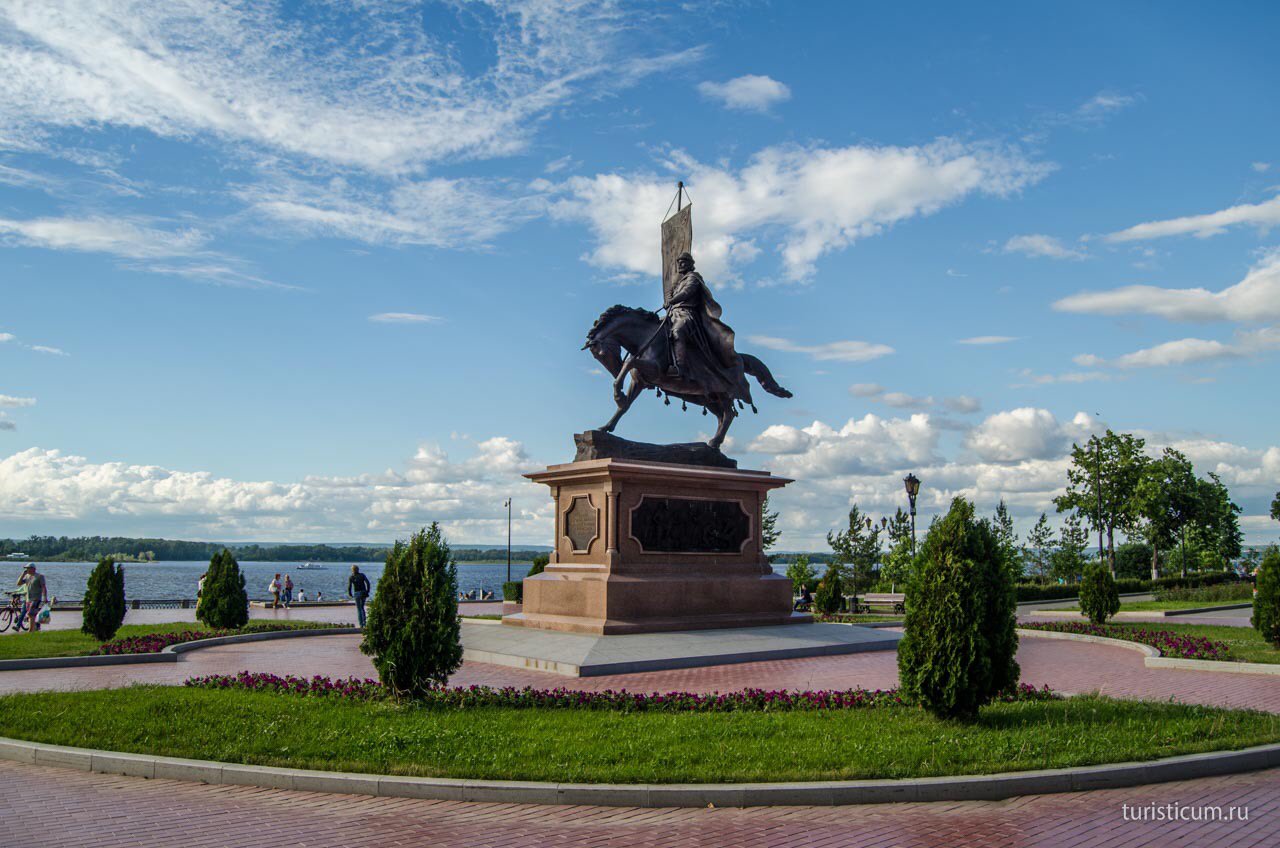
[677, 238]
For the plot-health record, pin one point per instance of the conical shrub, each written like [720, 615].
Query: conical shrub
[1266, 601]
[104, 605]
[224, 602]
[960, 638]
[413, 633]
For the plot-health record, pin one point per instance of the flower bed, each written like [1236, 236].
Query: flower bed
[747, 700]
[1170, 644]
[154, 643]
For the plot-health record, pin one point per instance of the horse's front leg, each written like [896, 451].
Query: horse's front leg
[624, 403]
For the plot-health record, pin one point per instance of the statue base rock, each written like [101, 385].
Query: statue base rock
[597, 444]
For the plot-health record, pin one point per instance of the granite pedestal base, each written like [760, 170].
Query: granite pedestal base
[584, 655]
[644, 547]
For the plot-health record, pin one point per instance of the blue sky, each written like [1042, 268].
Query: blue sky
[322, 271]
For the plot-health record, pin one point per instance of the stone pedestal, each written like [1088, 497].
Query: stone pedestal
[653, 546]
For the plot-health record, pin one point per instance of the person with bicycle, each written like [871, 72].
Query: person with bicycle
[37, 596]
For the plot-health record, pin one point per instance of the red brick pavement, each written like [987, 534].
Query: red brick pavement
[1062, 665]
[70, 809]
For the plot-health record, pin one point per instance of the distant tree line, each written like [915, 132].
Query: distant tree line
[126, 549]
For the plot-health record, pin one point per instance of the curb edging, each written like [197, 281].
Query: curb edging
[1152, 657]
[825, 793]
[169, 654]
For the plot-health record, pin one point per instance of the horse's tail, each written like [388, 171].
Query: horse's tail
[760, 371]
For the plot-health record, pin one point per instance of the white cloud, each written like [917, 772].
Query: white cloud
[819, 199]
[1103, 104]
[866, 390]
[358, 88]
[6, 424]
[48, 489]
[869, 445]
[1261, 167]
[902, 400]
[435, 212]
[1034, 379]
[988, 340]
[1191, 351]
[1263, 215]
[1026, 433]
[963, 404]
[844, 351]
[1255, 298]
[11, 402]
[752, 92]
[1038, 245]
[123, 237]
[7, 337]
[53, 351]
[404, 318]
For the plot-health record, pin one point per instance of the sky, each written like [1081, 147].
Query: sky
[322, 271]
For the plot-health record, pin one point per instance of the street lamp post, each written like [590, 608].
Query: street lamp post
[507, 504]
[912, 484]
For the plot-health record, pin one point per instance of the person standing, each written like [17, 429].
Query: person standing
[37, 596]
[358, 588]
[273, 589]
[287, 594]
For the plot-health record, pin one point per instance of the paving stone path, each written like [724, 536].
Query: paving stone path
[71, 809]
[1064, 666]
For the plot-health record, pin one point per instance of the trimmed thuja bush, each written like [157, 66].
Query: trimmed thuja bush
[957, 652]
[1266, 603]
[223, 601]
[104, 601]
[830, 595]
[413, 633]
[1099, 598]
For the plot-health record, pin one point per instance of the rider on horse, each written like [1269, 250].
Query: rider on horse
[701, 344]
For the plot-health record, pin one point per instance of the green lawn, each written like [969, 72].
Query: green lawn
[613, 747]
[73, 643]
[1148, 606]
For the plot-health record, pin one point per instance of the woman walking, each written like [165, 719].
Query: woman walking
[287, 595]
[273, 589]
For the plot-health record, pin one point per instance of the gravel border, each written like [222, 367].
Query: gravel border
[827, 793]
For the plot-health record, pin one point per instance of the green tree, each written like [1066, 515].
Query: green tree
[896, 563]
[1099, 597]
[1105, 470]
[800, 573]
[1008, 539]
[1039, 547]
[1266, 600]
[858, 547]
[540, 562]
[413, 631]
[1068, 561]
[830, 595]
[957, 652]
[1216, 526]
[769, 532]
[1275, 507]
[104, 605]
[1133, 561]
[1165, 501]
[223, 602]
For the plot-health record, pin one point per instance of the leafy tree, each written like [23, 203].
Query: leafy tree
[800, 573]
[540, 562]
[413, 632]
[104, 605]
[1266, 601]
[1133, 561]
[857, 546]
[1110, 466]
[1165, 501]
[896, 564]
[1099, 597]
[1068, 561]
[960, 639]
[1216, 529]
[1039, 547]
[769, 532]
[223, 602]
[1275, 507]
[830, 595]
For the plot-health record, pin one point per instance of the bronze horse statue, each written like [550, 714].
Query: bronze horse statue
[639, 333]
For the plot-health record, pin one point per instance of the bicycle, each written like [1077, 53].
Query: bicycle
[11, 614]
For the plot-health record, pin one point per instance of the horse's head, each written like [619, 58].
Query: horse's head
[619, 327]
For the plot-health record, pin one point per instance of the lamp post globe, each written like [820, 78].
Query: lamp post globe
[912, 484]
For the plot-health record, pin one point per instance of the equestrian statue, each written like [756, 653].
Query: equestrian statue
[688, 353]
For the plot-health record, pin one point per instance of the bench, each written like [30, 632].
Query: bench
[894, 600]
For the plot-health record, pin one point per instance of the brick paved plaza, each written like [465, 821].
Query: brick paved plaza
[99, 810]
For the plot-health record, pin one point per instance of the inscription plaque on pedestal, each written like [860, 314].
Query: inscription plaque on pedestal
[687, 525]
[581, 521]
